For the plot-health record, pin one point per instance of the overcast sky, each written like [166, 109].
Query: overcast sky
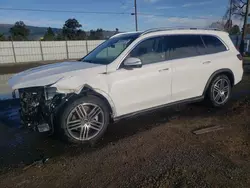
[152, 13]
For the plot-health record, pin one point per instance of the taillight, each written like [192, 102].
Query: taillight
[240, 57]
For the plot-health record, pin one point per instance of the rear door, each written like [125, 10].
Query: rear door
[190, 65]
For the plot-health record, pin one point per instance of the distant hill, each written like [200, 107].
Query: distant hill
[37, 32]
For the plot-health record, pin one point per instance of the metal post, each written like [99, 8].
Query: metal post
[67, 50]
[242, 46]
[87, 49]
[13, 49]
[41, 50]
[136, 23]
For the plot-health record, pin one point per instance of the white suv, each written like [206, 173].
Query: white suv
[128, 74]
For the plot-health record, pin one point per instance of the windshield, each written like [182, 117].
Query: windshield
[109, 50]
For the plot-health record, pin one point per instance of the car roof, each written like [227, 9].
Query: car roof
[162, 31]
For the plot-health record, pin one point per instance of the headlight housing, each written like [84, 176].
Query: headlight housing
[50, 92]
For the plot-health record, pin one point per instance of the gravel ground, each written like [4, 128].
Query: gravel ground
[155, 150]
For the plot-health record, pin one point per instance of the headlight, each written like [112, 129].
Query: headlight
[50, 92]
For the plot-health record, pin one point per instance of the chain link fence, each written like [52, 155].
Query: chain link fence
[32, 51]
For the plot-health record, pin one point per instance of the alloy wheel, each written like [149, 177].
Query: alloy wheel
[85, 121]
[221, 91]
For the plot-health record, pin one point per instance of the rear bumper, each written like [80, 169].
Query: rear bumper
[238, 76]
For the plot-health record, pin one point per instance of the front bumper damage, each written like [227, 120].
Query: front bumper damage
[39, 106]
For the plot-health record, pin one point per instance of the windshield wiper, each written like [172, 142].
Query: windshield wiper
[87, 61]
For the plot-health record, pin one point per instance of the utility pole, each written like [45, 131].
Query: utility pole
[136, 24]
[230, 15]
[242, 47]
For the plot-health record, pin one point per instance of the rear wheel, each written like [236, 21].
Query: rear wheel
[85, 120]
[219, 91]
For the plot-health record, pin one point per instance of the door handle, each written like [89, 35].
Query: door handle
[166, 69]
[206, 62]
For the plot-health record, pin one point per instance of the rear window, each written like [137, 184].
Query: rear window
[213, 44]
[183, 46]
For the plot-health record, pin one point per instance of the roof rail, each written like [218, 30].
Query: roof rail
[122, 33]
[174, 28]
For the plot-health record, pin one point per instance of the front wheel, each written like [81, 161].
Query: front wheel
[85, 120]
[219, 91]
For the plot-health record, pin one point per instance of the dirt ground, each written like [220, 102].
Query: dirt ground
[155, 150]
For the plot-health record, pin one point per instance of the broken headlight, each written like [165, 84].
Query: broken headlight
[50, 92]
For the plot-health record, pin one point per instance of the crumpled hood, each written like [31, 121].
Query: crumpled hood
[50, 74]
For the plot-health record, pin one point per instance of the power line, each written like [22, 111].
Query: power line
[177, 16]
[98, 12]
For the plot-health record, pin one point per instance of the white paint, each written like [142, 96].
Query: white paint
[152, 85]
[52, 73]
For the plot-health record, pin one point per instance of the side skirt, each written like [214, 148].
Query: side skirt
[141, 112]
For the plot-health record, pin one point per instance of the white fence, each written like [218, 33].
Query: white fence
[30, 51]
[5, 90]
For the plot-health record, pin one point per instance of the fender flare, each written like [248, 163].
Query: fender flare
[220, 71]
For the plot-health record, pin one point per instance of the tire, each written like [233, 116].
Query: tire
[218, 94]
[77, 127]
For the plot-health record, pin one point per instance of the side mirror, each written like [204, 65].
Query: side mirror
[132, 62]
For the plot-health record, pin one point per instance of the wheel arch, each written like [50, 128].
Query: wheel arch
[227, 72]
[88, 90]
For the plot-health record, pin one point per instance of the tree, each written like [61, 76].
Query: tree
[228, 25]
[116, 30]
[80, 35]
[218, 25]
[235, 30]
[59, 36]
[70, 29]
[237, 8]
[2, 38]
[248, 29]
[19, 31]
[99, 34]
[49, 35]
[92, 35]
[96, 35]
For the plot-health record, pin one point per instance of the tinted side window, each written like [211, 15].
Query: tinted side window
[150, 50]
[182, 46]
[213, 44]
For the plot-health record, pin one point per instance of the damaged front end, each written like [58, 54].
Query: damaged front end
[39, 106]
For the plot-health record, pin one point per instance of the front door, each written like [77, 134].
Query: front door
[142, 88]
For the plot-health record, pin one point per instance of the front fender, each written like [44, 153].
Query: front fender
[75, 85]
[104, 95]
